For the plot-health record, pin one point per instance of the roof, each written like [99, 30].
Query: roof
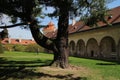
[114, 16]
[112, 19]
[51, 34]
[18, 41]
[49, 28]
[80, 26]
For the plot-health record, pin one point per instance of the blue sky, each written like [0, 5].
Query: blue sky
[26, 34]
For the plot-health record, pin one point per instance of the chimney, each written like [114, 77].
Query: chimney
[73, 22]
[32, 39]
[20, 39]
[9, 39]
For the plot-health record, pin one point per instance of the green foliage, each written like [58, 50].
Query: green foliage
[3, 34]
[9, 47]
[95, 9]
[19, 47]
[1, 48]
[34, 48]
[18, 8]
[23, 48]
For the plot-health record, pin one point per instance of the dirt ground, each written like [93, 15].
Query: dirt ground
[73, 73]
[50, 73]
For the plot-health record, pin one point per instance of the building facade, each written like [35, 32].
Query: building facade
[96, 43]
[102, 42]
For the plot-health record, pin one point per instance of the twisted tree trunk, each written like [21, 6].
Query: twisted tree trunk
[60, 45]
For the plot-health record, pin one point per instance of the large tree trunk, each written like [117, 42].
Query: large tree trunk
[61, 58]
[61, 55]
[60, 44]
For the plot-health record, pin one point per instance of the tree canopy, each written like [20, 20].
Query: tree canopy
[22, 9]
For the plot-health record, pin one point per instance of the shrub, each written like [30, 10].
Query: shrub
[19, 47]
[34, 48]
[9, 47]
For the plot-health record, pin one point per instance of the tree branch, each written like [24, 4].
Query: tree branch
[40, 38]
[15, 25]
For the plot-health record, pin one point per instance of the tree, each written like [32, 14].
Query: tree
[3, 34]
[64, 10]
[1, 48]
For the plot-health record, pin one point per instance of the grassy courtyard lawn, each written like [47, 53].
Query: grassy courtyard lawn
[29, 66]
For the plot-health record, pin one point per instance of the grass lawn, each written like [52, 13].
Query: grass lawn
[29, 66]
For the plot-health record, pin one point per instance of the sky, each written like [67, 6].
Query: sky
[17, 32]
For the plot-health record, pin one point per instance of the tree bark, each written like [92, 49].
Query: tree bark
[60, 58]
[61, 55]
[39, 37]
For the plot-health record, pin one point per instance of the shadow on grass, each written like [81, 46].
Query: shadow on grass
[108, 63]
[30, 74]
[22, 70]
[105, 64]
[34, 63]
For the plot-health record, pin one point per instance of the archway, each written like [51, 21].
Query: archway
[80, 48]
[72, 48]
[108, 48]
[92, 48]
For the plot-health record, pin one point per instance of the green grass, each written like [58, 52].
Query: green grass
[104, 69]
[107, 69]
[26, 56]
[26, 59]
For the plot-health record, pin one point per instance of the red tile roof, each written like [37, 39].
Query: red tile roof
[18, 41]
[51, 34]
[49, 28]
[114, 18]
[80, 26]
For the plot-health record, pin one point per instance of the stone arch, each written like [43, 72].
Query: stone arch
[72, 47]
[108, 47]
[80, 48]
[92, 48]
